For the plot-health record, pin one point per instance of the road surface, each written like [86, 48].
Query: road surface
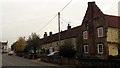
[19, 62]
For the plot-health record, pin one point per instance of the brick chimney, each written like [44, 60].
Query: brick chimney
[50, 33]
[90, 3]
[68, 27]
[45, 34]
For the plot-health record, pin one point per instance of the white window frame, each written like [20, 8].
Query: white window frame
[98, 45]
[98, 31]
[86, 51]
[84, 35]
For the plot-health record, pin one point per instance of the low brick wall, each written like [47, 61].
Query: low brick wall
[59, 60]
[98, 63]
[83, 63]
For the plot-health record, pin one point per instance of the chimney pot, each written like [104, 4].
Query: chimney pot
[45, 34]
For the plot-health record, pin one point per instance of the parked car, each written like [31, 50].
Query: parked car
[53, 53]
[10, 53]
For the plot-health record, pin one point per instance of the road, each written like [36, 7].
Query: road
[19, 62]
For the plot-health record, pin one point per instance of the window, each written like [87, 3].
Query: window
[100, 48]
[85, 35]
[85, 48]
[100, 32]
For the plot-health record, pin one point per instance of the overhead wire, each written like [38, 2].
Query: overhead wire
[65, 6]
[54, 16]
[48, 23]
[64, 20]
[24, 21]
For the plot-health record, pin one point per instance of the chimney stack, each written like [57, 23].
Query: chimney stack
[93, 2]
[45, 34]
[68, 27]
[50, 33]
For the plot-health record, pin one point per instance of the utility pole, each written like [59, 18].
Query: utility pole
[59, 27]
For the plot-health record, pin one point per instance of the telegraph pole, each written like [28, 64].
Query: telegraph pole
[59, 22]
[59, 27]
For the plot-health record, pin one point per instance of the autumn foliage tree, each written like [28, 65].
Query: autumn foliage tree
[20, 44]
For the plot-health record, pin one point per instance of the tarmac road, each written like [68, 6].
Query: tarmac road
[19, 62]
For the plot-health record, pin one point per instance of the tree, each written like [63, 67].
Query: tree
[13, 46]
[67, 50]
[28, 47]
[34, 42]
[20, 44]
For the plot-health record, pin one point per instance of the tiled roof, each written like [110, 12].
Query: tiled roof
[113, 21]
[70, 33]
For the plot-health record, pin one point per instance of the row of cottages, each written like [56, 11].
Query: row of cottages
[99, 33]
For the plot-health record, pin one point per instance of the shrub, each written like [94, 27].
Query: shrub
[114, 57]
[67, 50]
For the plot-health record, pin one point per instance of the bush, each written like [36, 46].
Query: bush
[114, 57]
[67, 50]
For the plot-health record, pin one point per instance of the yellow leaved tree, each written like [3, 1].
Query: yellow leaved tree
[20, 44]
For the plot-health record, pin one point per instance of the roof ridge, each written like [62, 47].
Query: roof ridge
[111, 15]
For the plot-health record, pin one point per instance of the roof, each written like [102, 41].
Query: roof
[70, 33]
[4, 43]
[93, 11]
[113, 21]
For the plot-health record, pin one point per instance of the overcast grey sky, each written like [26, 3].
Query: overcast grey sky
[22, 17]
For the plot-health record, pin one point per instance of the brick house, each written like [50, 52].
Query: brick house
[100, 34]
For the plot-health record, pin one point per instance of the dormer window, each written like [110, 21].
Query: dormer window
[100, 31]
[85, 34]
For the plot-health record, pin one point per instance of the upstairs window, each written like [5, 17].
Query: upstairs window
[85, 48]
[85, 34]
[100, 31]
[100, 48]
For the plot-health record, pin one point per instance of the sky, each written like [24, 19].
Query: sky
[23, 17]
